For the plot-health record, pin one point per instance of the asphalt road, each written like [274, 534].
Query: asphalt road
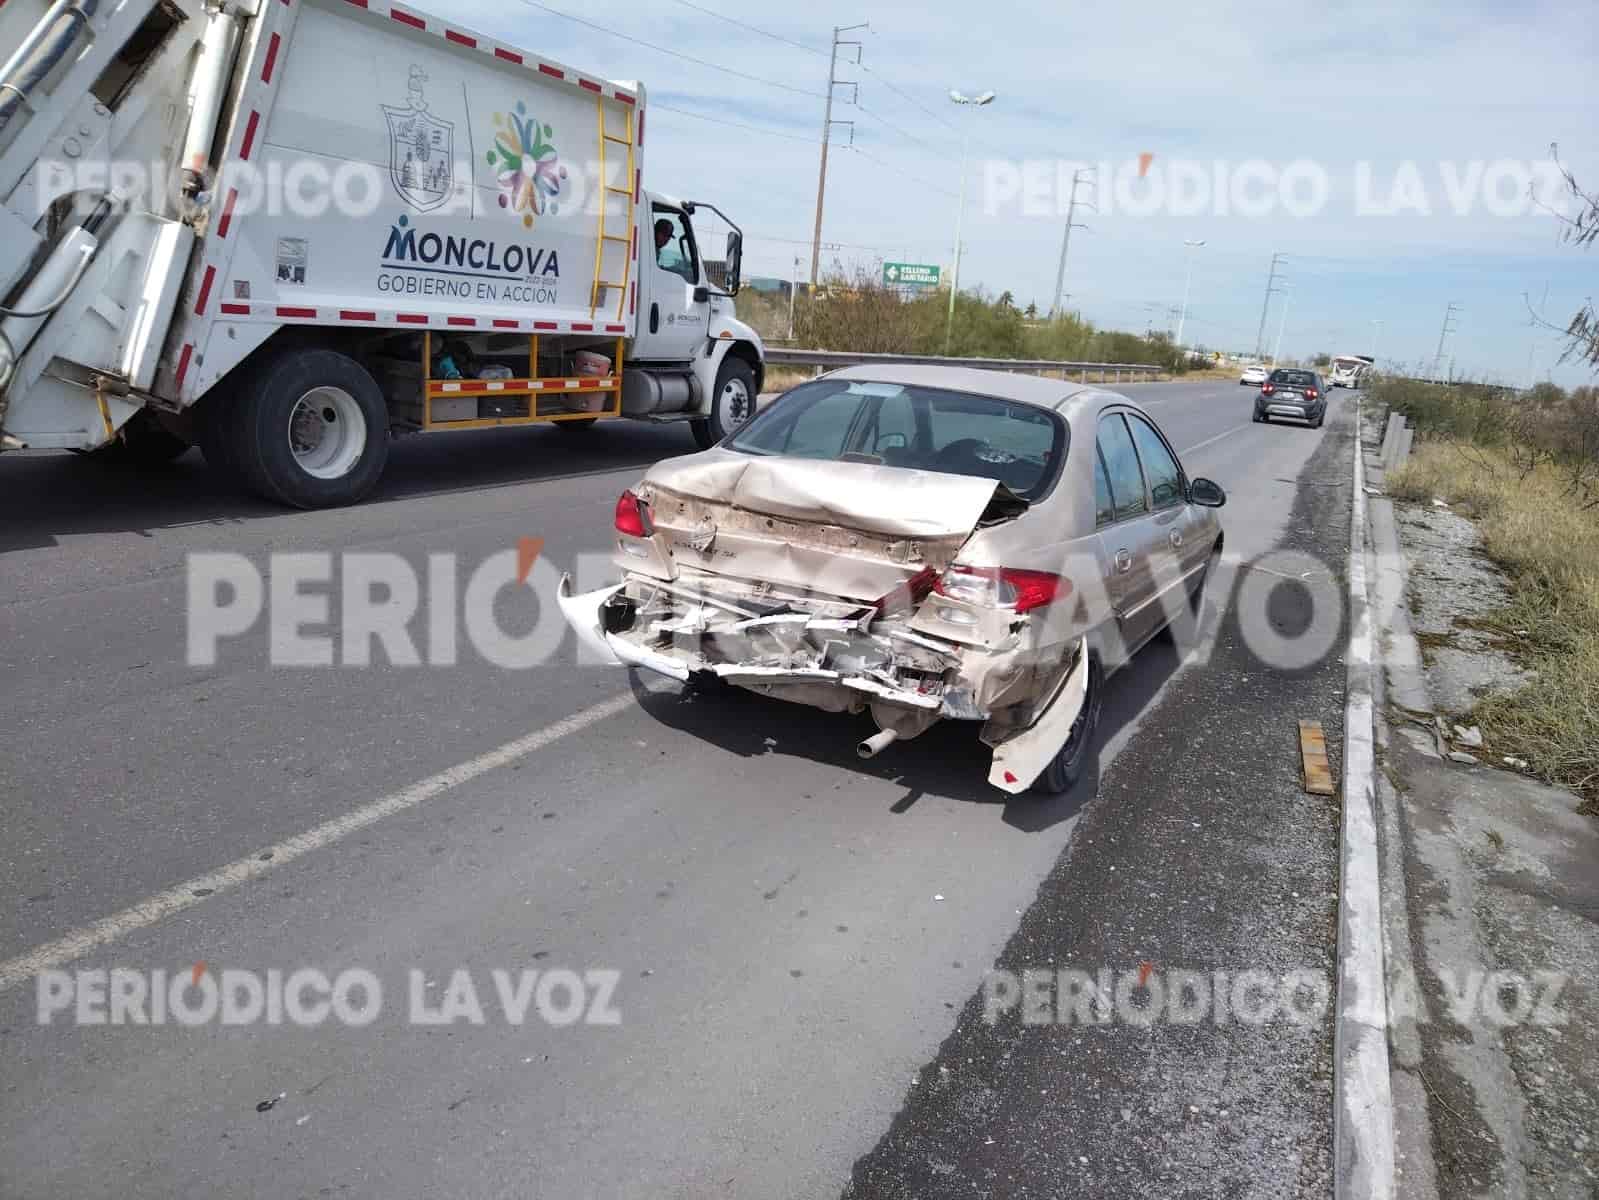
[796, 933]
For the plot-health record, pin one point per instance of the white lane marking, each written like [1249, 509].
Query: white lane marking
[1217, 438]
[1363, 1125]
[164, 904]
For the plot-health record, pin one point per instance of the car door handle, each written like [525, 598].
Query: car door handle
[1124, 562]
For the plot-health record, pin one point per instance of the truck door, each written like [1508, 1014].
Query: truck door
[675, 318]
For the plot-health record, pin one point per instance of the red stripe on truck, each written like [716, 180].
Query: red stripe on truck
[271, 58]
[249, 135]
[236, 310]
[460, 39]
[227, 213]
[641, 127]
[624, 98]
[460, 320]
[205, 291]
[301, 314]
[546, 69]
[350, 314]
[183, 362]
[545, 325]
[501, 323]
[411, 318]
[583, 327]
[508, 55]
[588, 83]
[406, 18]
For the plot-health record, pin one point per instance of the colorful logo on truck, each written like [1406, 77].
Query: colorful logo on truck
[530, 173]
[421, 150]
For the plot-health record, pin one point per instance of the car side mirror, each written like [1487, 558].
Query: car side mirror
[1206, 494]
[701, 295]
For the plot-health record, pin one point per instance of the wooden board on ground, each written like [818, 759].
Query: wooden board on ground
[1313, 757]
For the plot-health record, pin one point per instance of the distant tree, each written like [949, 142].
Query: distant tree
[1322, 360]
[1006, 300]
[1032, 311]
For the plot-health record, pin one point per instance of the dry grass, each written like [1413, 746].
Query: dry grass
[1533, 526]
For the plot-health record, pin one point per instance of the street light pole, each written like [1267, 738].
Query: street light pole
[960, 212]
[1282, 322]
[1187, 283]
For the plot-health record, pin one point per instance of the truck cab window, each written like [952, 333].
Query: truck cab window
[674, 245]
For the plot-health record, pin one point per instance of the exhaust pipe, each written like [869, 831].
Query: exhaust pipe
[876, 744]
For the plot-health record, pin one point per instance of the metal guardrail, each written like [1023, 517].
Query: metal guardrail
[827, 360]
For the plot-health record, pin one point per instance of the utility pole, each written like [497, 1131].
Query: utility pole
[827, 130]
[1260, 334]
[1449, 327]
[1066, 237]
[793, 286]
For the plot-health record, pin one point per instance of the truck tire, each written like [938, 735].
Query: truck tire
[310, 430]
[732, 403]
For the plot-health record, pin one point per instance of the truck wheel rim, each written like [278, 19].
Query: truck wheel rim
[327, 432]
[735, 403]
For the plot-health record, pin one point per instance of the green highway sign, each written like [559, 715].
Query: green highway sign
[896, 274]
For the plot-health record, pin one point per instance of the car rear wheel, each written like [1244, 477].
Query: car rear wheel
[1066, 768]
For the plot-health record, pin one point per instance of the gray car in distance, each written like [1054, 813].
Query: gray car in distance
[925, 543]
[1293, 392]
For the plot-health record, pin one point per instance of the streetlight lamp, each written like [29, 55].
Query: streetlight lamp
[960, 213]
[1187, 282]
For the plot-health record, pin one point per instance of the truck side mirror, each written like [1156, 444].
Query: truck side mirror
[734, 259]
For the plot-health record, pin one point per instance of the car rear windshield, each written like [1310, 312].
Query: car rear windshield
[1294, 378]
[917, 428]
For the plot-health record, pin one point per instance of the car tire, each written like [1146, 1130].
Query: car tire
[732, 403]
[311, 430]
[1260, 418]
[1066, 768]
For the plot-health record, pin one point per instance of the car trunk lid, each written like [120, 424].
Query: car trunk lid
[844, 529]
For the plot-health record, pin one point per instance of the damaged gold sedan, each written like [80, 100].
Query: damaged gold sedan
[922, 542]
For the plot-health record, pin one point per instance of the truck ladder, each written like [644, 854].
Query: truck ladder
[629, 177]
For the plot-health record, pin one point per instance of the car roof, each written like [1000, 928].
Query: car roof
[1003, 385]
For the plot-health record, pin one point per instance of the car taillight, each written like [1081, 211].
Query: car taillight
[1002, 587]
[1310, 393]
[908, 594]
[1267, 388]
[633, 516]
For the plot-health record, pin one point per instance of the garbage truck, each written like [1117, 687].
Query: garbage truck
[288, 231]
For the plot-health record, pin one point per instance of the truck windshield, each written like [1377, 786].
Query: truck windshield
[915, 428]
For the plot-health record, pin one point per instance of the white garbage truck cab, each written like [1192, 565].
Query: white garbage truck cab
[290, 230]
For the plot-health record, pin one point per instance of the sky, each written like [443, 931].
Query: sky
[1426, 122]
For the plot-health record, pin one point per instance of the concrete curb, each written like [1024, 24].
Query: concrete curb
[1363, 1116]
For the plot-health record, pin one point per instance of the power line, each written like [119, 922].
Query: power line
[902, 95]
[909, 137]
[776, 37]
[914, 178]
[555, 12]
[793, 137]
